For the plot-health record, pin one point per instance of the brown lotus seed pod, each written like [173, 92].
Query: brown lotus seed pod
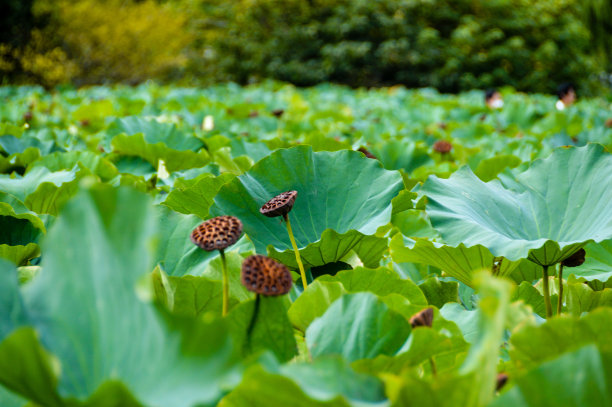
[575, 259]
[502, 379]
[28, 116]
[423, 318]
[280, 205]
[278, 112]
[442, 125]
[442, 146]
[217, 233]
[366, 153]
[253, 114]
[265, 276]
[609, 123]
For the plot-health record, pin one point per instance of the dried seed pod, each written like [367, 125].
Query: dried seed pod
[217, 233]
[442, 125]
[423, 318]
[608, 123]
[28, 116]
[442, 146]
[280, 205]
[502, 379]
[265, 276]
[367, 153]
[253, 114]
[575, 259]
[278, 112]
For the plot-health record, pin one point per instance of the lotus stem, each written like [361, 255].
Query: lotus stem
[560, 302]
[253, 318]
[546, 292]
[225, 283]
[297, 252]
[434, 370]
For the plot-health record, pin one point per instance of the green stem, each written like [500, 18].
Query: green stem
[225, 283]
[253, 317]
[297, 252]
[546, 292]
[434, 370]
[560, 302]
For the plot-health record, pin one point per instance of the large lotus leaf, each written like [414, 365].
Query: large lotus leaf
[439, 292]
[58, 161]
[19, 254]
[557, 206]
[357, 326]
[582, 298]
[176, 253]
[326, 382]
[473, 385]
[577, 379]
[195, 196]
[342, 191]
[156, 132]
[532, 345]
[264, 326]
[88, 314]
[380, 282]
[8, 399]
[443, 342]
[459, 262]
[597, 265]
[313, 303]
[175, 160]
[21, 187]
[399, 154]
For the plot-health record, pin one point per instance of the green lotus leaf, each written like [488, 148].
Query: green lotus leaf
[489, 168]
[313, 303]
[195, 196]
[459, 262]
[399, 154]
[443, 342]
[342, 191]
[357, 326]
[96, 253]
[19, 254]
[21, 187]
[18, 162]
[380, 281]
[557, 206]
[582, 298]
[270, 330]
[439, 292]
[175, 160]
[531, 345]
[8, 399]
[58, 161]
[178, 256]
[326, 382]
[576, 379]
[597, 265]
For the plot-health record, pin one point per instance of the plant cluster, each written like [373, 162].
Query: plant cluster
[165, 246]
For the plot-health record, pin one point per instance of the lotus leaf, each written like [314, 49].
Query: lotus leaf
[342, 191]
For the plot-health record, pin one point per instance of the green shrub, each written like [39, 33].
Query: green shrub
[451, 45]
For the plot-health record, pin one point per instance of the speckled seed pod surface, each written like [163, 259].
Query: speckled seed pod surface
[265, 276]
[423, 318]
[575, 259]
[217, 233]
[442, 146]
[280, 205]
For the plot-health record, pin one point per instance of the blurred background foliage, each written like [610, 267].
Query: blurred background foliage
[452, 45]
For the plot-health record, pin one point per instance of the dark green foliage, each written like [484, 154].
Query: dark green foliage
[451, 45]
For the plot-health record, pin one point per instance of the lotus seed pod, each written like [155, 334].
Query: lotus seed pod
[609, 123]
[575, 259]
[280, 205]
[442, 146]
[217, 233]
[278, 113]
[423, 318]
[502, 379]
[367, 153]
[265, 276]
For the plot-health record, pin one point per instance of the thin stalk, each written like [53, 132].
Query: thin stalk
[546, 292]
[253, 317]
[225, 283]
[560, 302]
[297, 252]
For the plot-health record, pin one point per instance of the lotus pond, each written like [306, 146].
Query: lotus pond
[274, 246]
